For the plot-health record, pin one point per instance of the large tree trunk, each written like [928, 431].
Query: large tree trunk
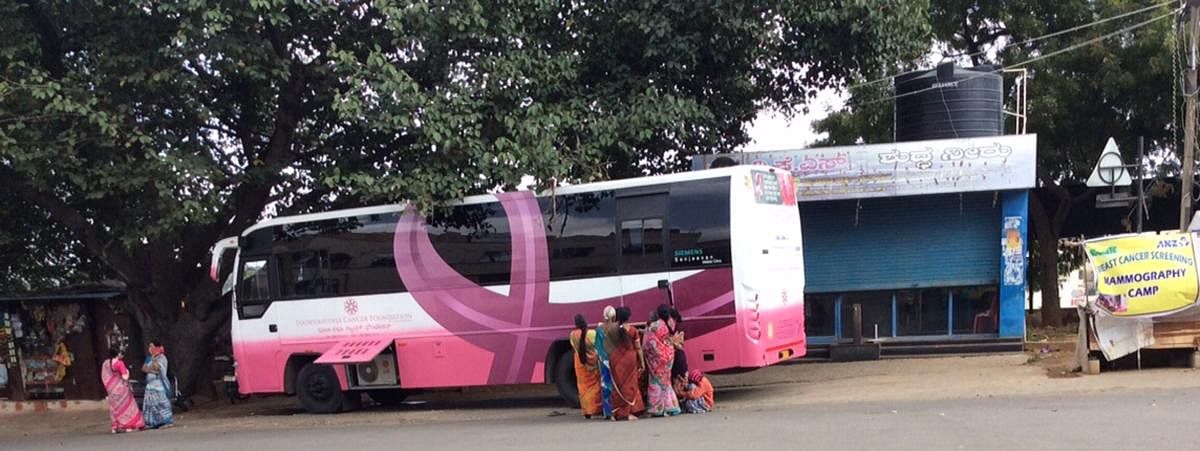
[193, 348]
[1052, 314]
[1047, 242]
[188, 332]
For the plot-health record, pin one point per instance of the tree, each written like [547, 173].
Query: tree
[1122, 85]
[40, 253]
[146, 131]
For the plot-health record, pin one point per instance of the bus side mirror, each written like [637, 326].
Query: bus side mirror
[218, 251]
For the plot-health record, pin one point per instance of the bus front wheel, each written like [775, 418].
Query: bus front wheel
[318, 388]
[564, 378]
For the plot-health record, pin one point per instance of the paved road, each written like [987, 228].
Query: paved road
[1160, 419]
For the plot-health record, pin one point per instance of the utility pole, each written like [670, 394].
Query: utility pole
[1189, 118]
[1141, 193]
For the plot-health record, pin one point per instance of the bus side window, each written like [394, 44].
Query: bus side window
[255, 286]
[307, 274]
[641, 244]
[700, 224]
[580, 232]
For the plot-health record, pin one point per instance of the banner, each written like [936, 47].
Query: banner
[1146, 274]
[994, 163]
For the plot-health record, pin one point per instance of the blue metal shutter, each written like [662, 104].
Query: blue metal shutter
[901, 242]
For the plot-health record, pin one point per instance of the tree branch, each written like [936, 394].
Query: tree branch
[251, 196]
[97, 240]
[48, 39]
[1052, 185]
[247, 119]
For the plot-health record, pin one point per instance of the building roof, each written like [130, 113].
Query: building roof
[86, 292]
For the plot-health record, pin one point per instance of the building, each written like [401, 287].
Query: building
[52, 343]
[929, 237]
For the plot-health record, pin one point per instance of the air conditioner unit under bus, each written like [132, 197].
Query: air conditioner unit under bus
[380, 371]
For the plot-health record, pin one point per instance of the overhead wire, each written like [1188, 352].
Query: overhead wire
[1036, 39]
[1029, 61]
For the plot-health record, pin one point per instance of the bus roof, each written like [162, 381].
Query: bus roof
[568, 189]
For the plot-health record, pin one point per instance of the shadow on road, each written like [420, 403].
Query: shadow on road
[517, 398]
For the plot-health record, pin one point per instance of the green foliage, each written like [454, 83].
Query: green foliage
[171, 122]
[40, 253]
[1121, 85]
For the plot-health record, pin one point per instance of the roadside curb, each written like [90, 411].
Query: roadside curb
[30, 407]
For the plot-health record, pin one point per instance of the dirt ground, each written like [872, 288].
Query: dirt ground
[795, 384]
[1053, 349]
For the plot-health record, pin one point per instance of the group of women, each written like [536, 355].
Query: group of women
[615, 365]
[156, 403]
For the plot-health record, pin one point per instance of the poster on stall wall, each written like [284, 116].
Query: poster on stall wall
[1144, 274]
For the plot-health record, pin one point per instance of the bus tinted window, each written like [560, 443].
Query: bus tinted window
[360, 256]
[255, 284]
[641, 245]
[346, 256]
[700, 223]
[306, 274]
[474, 240]
[581, 230]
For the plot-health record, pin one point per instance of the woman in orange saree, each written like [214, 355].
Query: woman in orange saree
[625, 355]
[587, 369]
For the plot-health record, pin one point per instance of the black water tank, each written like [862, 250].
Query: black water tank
[949, 102]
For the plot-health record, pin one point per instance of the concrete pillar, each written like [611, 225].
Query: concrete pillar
[1014, 241]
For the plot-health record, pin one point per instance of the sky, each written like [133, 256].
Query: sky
[772, 131]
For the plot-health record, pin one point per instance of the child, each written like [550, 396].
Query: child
[698, 397]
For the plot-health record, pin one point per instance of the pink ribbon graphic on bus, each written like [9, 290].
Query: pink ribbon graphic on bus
[524, 321]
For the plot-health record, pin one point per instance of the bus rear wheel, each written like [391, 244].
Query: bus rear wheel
[318, 388]
[564, 378]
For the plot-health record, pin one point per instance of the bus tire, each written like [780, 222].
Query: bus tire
[318, 388]
[564, 378]
[388, 397]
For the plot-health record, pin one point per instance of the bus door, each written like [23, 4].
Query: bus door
[642, 229]
[254, 332]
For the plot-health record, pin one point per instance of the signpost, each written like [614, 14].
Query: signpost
[1111, 171]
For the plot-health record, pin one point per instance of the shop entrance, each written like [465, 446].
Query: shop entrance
[900, 314]
[52, 344]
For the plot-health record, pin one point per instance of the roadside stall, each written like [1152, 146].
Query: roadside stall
[52, 343]
[1145, 297]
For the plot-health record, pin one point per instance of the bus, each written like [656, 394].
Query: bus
[385, 300]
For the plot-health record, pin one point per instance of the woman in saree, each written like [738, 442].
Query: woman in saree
[620, 365]
[660, 354]
[157, 403]
[587, 370]
[604, 363]
[627, 367]
[122, 408]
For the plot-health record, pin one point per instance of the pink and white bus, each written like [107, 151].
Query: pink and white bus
[385, 300]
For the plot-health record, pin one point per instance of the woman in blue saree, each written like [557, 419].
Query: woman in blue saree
[156, 405]
[606, 380]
